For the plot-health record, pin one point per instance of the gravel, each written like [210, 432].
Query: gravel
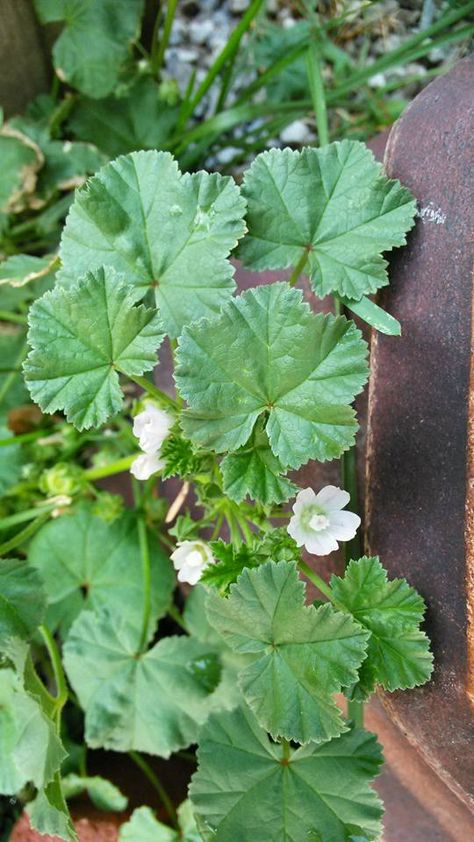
[202, 28]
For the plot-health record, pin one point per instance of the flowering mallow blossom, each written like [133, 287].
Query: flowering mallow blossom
[319, 523]
[145, 465]
[151, 428]
[190, 558]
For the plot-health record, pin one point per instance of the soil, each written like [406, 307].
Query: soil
[88, 830]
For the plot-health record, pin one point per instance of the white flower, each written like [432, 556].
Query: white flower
[318, 522]
[190, 558]
[151, 428]
[145, 465]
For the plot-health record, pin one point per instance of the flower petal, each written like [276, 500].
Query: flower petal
[304, 498]
[145, 465]
[321, 543]
[191, 575]
[343, 525]
[151, 428]
[297, 531]
[332, 499]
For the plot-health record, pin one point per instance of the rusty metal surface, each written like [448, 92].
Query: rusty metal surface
[418, 417]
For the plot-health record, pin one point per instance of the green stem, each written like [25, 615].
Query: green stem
[146, 565]
[316, 84]
[158, 47]
[112, 468]
[8, 382]
[25, 437]
[59, 677]
[244, 527]
[8, 316]
[293, 279]
[217, 527]
[156, 784]
[355, 711]
[23, 536]
[26, 514]
[315, 579]
[353, 549]
[176, 616]
[154, 392]
[35, 686]
[286, 750]
[234, 532]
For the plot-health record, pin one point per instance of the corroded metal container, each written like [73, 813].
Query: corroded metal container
[420, 430]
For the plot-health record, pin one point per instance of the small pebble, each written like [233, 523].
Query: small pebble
[200, 31]
[238, 6]
[225, 156]
[296, 132]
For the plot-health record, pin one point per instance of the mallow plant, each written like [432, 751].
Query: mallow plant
[268, 665]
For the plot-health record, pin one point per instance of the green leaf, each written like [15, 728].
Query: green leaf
[277, 545]
[95, 41]
[48, 813]
[153, 702]
[247, 789]
[268, 354]
[231, 561]
[374, 315]
[75, 359]
[66, 164]
[226, 695]
[21, 269]
[302, 655]
[30, 748]
[11, 460]
[138, 119]
[22, 599]
[161, 229]
[21, 160]
[144, 827]
[103, 794]
[87, 562]
[335, 204]
[398, 656]
[254, 471]
[180, 458]
[13, 392]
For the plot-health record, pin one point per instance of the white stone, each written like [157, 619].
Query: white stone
[296, 132]
[200, 31]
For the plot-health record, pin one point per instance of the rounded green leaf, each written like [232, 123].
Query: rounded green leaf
[254, 471]
[152, 701]
[161, 229]
[31, 751]
[143, 826]
[301, 655]
[12, 457]
[247, 788]
[81, 337]
[21, 160]
[268, 354]
[103, 794]
[335, 204]
[22, 599]
[135, 119]
[95, 41]
[399, 654]
[86, 562]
